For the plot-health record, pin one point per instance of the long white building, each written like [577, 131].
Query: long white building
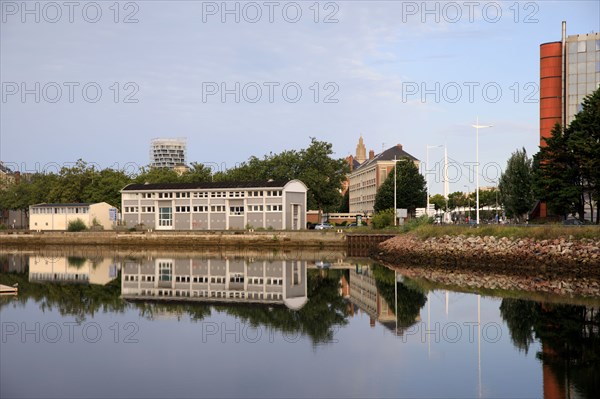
[215, 206]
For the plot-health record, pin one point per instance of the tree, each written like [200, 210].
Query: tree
[516, 187]
[439, 201]
[567, 168]
[411, 191]
[557, 178]
[583, 142]
[457, 199]
[345, 202]
[157, 175]
[198, 173]
[322, 174]
[106, 187]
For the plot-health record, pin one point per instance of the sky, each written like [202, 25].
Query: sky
[99, 80]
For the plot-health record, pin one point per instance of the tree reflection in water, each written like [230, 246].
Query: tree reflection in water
[569, 335]
[318, 319]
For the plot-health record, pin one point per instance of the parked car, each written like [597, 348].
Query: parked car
[576, 222]
[323, 226]
[354, 224]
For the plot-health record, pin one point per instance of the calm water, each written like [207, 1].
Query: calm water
[251, 324]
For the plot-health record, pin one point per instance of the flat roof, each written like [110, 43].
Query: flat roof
[205, 185]
[65, 205]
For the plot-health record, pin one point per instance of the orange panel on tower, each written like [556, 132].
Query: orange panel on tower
[550, 88]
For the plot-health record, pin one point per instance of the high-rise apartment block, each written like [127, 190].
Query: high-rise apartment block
[168, 153]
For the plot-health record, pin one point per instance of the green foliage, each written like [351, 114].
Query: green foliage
[457, 199]
[569, 336]
[439, 201]
[516, 189]
[567, 168]
[76, 261]
[314, 166]
[76, 225]
[157, 175]
[345, 203]
[411, 192]
[383, 219]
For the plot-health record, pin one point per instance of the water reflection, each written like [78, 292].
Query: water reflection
[316, 296]
[281, 282]
[570, 341]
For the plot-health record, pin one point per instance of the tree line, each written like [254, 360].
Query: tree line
[85, 183]
[565, 173]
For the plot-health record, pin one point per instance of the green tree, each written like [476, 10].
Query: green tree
[457, 199]
[198, 173]
[106, 187]
[439, 201]
[345, 202]
[583, 142]
[411, 191]
[516, 186]
[72, 182]
[157, 175]
[556, 175]
[315, 166]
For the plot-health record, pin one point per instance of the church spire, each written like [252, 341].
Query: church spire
[361, 151]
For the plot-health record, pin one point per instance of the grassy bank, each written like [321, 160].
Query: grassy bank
[537, 232]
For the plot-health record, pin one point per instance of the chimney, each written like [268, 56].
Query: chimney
[399, 146]
[371, 154]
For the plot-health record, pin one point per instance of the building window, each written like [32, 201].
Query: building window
[165, 216]
[182, 209]
[202, 194]
[201, 208]
[236, 210]
[255, 208]
[217, 208]
[274, 208]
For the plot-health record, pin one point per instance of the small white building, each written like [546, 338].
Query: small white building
[58, 216]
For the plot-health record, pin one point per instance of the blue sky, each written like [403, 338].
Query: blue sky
[156, 74]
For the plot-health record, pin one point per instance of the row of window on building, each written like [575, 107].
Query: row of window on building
[214, 294]
[233, 210]
[213, 194]
[213, 279]
[59, 210]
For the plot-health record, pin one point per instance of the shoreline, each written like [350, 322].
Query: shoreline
[179, 239]
[560, 266]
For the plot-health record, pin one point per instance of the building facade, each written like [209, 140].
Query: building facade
[237, 280]
[58, 216]
[365, 180]
[215, 206]
[569, 71]
[168, 153]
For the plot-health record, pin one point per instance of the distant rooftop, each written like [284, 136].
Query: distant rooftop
[204, 185]
[66, 205]
[388, 155]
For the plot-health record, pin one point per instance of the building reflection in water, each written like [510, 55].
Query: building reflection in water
[72, 269]
[226, 280]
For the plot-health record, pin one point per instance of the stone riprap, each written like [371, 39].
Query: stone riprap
[564, 266]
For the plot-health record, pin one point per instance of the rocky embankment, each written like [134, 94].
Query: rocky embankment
[563, 266]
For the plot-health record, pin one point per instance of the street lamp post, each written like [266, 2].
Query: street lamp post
[468, 199]
[477, 126]
[395, 206]
[427, 173]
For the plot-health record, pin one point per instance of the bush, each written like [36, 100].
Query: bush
[76, 225]
[383, 219]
